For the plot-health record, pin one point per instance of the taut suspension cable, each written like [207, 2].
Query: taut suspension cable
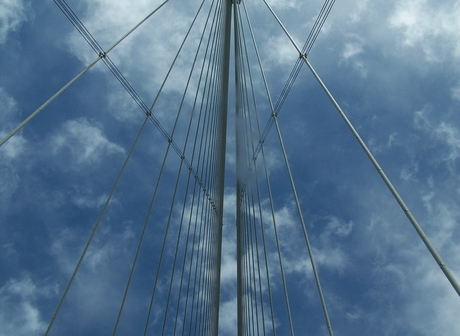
[73, 80]
[376, 165]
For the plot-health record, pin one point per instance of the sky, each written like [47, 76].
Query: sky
[392, 66]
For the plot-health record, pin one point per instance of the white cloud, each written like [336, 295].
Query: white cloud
[352, 49]
[284, 4]
[359, 10]
[19, 313]
[438, 315]
[89, 201]
[455, 92]
[429, 25]
[227, 309]
[8, 120]
[387, 265]
[409, 172]
[11, 150]
[227, 317]
[108, 21]
[446, 134]
[8, 185]
[336, 226]
[122, 106]
[86, 143]
[280, 52]
[112, 244]
[12, 14]
[450, 135]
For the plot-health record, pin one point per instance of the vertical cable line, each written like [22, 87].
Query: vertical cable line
[249, 168]
[280, 261]
[252, 217]
[204, 270]
[204, 251]
[450, 277]
[223, 108]
[261, 146]
[175, 190]
[203, 140]
[310, 252]
[253, 312]
[206, 263]
[215, 226]
[251, 297]
[195, 270]
[239, 190]
[201, 270]
[200, 251]
[251, 269]
[253, 207]
[170, 141]
[239, 215]
[190, 270]
[253, 245]
[222, 128]
[196, 182]
[73, 80]
[180, 170]
[205, 298]
[213, 172]
[212, 35]
[247, 290]
[259, 275]
[267, 272]
[253, 309]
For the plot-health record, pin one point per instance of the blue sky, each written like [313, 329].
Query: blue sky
[391, 65]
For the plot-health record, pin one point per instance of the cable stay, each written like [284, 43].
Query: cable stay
[168, 281]
[199, 272]
[73, 80]
[241, 191]
[316, 29]
[448, 274]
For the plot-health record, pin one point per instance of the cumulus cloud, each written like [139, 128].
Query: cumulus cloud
[227, 317]
[89, 201]
[430, 26]
[9, 117]
[19, 311]
[278, 49]
[282, 4]
[86, 143]
[109, 21]
[446, 134]
[351, 49]
[455, 92]
[14, 147]
[376, 275]
[359, 10]
[12, 15]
